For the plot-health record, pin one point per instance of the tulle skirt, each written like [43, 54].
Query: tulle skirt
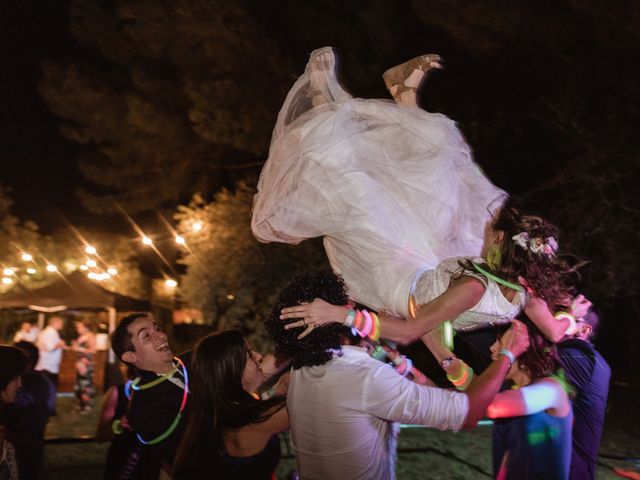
[393, 190]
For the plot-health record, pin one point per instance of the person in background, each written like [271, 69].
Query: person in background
[28, 333]
[124, 446]
[26, 418]
[232, 433]
[533, 419]
[12, 366]
[85, 348]
[590, 374]
[51, 346]
[160, 395]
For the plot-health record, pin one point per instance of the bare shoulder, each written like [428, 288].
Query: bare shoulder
[470, 285]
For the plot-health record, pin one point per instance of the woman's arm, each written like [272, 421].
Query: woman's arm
[538, 311]
[104, 431]
[462, 295]
[544, 394]
[92, 343]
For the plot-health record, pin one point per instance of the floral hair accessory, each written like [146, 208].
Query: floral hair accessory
[521, 239]
[537, 245]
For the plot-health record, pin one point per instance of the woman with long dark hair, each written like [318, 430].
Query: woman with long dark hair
[533, 419]
[231, 433]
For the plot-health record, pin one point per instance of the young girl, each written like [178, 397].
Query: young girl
[533, 421]
[230, 433]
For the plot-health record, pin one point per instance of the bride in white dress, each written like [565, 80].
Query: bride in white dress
[402, 209]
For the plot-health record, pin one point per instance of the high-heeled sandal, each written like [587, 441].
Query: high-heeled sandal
[318, 95]
[396, 76]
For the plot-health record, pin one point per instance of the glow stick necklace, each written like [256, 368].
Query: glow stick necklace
[157, 381]
[513, 286]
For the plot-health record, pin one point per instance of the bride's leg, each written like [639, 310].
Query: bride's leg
[403, 81]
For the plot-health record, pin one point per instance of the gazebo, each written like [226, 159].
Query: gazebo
[73, 291]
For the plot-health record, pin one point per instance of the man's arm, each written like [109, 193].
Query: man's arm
[483, 390]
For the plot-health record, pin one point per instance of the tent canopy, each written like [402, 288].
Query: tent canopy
[71, 291]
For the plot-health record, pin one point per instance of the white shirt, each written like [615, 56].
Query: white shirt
[342, 416]
[30, 336]
[50, 356]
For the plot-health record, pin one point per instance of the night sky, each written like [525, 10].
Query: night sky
[38, 163]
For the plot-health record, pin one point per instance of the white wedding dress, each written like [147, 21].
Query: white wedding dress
[393, 190]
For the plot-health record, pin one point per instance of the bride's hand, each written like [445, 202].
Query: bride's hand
[312, 315]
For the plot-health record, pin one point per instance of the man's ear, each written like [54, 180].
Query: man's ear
[499, 236]
[586, 330]
[130, 357]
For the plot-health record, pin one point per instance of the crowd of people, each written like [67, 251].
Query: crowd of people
[423, 248]
[25, 412]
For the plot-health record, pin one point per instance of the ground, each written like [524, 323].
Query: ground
[423, 454]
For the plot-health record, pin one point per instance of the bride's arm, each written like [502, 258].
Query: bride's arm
[462, 295]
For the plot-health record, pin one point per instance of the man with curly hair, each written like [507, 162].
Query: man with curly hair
[343, 404]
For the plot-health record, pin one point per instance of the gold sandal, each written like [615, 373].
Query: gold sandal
[325, 65]
[396, 76]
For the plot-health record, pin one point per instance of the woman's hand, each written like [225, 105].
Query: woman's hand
[314, 314]
[516, 339]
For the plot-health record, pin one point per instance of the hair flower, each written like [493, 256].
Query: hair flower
[521, 239]
[536, 245]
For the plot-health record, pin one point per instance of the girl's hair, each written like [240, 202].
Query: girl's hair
[541, 358]
[550, 277]
[218, 402]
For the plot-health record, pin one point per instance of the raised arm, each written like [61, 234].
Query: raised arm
[545, 394]
[483, 390]
[538, 311]
[462, 295]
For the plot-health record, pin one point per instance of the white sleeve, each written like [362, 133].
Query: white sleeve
[390, 396]
[47, 341]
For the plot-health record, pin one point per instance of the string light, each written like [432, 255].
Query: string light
[9, 271]
[171, 283]
[196, 226]
[7, 280]
[147, 241]
[90, 250]
[112, 271]
[91, 263]
[26, 257]
[180, 240]
[84, 268]
[31, 271]
[52, 268]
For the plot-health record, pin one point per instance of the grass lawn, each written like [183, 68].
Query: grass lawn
[423, 454]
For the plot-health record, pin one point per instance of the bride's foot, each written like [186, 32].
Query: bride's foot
[322, 63]
[404, 80]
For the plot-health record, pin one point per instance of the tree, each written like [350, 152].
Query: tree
[66, 252]
[231, 278]
[170, 86]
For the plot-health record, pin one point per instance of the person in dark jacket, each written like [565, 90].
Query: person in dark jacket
[160, 394]
[590, 374]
